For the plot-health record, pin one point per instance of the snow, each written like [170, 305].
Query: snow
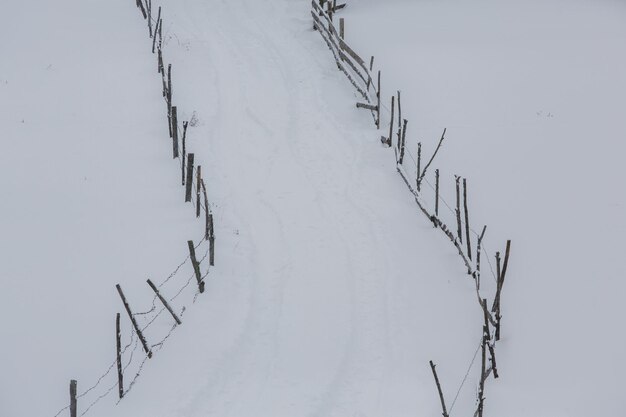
[331, 290]
[532, 95]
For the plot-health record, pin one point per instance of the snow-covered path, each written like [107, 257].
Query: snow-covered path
[342, 292]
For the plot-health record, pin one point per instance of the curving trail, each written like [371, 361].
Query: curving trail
[331, 293]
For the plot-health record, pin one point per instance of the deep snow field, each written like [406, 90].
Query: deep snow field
[331, 291]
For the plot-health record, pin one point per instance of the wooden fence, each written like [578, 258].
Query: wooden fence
[129, 354]
[360, 76]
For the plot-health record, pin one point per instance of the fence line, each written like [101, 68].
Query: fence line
[150, 315]
[342, 53]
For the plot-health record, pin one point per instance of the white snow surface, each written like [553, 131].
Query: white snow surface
[331, 291]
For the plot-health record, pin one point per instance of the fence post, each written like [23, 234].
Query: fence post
[169, 97]
[443, 403]
[189, 178]
[198, 185]
[467, 227]
[120, 376]
[478, 250]
[184, 152]
[342, 27]
[378, 103]
[150, 17]
[156, 29]
[458, 209]
[134, 322]
[196, 267]
[73, 409]
[164, 302]
[399, 120]
[206, 211]
[403, 141]
[175, 131]
[419, 165]
[436, 192]
[211, 241]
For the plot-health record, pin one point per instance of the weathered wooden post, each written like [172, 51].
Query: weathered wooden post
[500, 282]
[402, 141]
[189, 177]
[196, 266]
[149, 17]
[211, 241]
[169, 96]
[436, 193]
[120, 375]
[458, 209]
[467, 227]
[175, 131]
[369, 77]
[143, 10]
[481, 387]
[134, 322]
[399, 121]
[73, 404]
[184, 152]
[198, 185]
[478, 251]
[156, 29]
[419, 165]
[206, 211]
[378, 103]
[342, 27]
[164, 302]
[443, 403]
[393, 102]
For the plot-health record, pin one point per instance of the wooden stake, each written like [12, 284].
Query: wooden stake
[478, 250]
[160, 69]
[467, 227]
[419, 162]
[198, 180]
[369, 77]
[500, 281]
[164, 301]
[443, 403]
[73, 404]
[160, 31]
[399, 121]
[175, 131]
[134, 322]
[393, 102]
[430, 161]
[206, 211]
[378, 103]
[194, 263]
[211, 241]
[458, 209]
[169, 97]
[120, 376]
[156, 29]
[341, 27]
[150, 17]
[437, 192]
[402, 141]
[184, 152]
[189, 177]
[143, 10]
[481, 389]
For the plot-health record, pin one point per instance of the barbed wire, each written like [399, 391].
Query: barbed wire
[465, 377]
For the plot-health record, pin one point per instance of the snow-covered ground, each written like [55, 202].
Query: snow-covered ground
[533, 95]
[331, 291]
